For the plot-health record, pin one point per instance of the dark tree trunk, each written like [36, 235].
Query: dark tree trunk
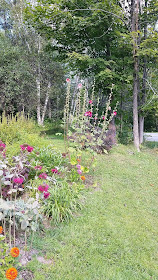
[143, 97]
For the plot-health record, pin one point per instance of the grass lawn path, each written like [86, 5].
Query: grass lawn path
[115, 235]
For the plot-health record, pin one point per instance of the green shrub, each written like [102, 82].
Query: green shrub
[49, 158]
[15, 128]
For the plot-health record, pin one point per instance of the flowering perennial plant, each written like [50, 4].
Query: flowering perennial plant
[11, 273]
[89, 126]
[55, 171]
[43, 176]
[1, 229]
[15, 252]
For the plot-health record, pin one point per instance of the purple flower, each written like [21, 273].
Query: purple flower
[78, 166]
[79, 171]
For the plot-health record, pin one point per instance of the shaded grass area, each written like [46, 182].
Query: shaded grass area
[151, 145]
[114, 237]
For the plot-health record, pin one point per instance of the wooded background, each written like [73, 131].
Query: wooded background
[112, 42]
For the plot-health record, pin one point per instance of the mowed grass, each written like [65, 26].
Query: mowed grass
[115, 235]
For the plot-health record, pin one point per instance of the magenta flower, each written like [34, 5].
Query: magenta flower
[90, 101]
[29, 149]
[22, 147]
[46, 195]
[103, 117]
[88, 114]
[43, 176]
[2, 144]
[78, 166]
[18, 180]
[79, 171]
[79, 86]
[43, 188]
[68, 80]
[38, 167]
[115, 113]
[55, 171]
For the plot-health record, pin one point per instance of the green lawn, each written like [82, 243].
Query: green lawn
[115, 235]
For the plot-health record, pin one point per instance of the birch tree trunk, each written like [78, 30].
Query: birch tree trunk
[38, 84]
[134, 28]
[46, 103]
[49, 109]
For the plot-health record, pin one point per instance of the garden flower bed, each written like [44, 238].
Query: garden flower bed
[35, 185]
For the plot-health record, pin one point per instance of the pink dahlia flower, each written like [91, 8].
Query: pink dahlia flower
[90, 101]
[68, 80]
[115, 113]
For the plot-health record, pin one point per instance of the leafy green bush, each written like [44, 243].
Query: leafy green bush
[49, 158]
